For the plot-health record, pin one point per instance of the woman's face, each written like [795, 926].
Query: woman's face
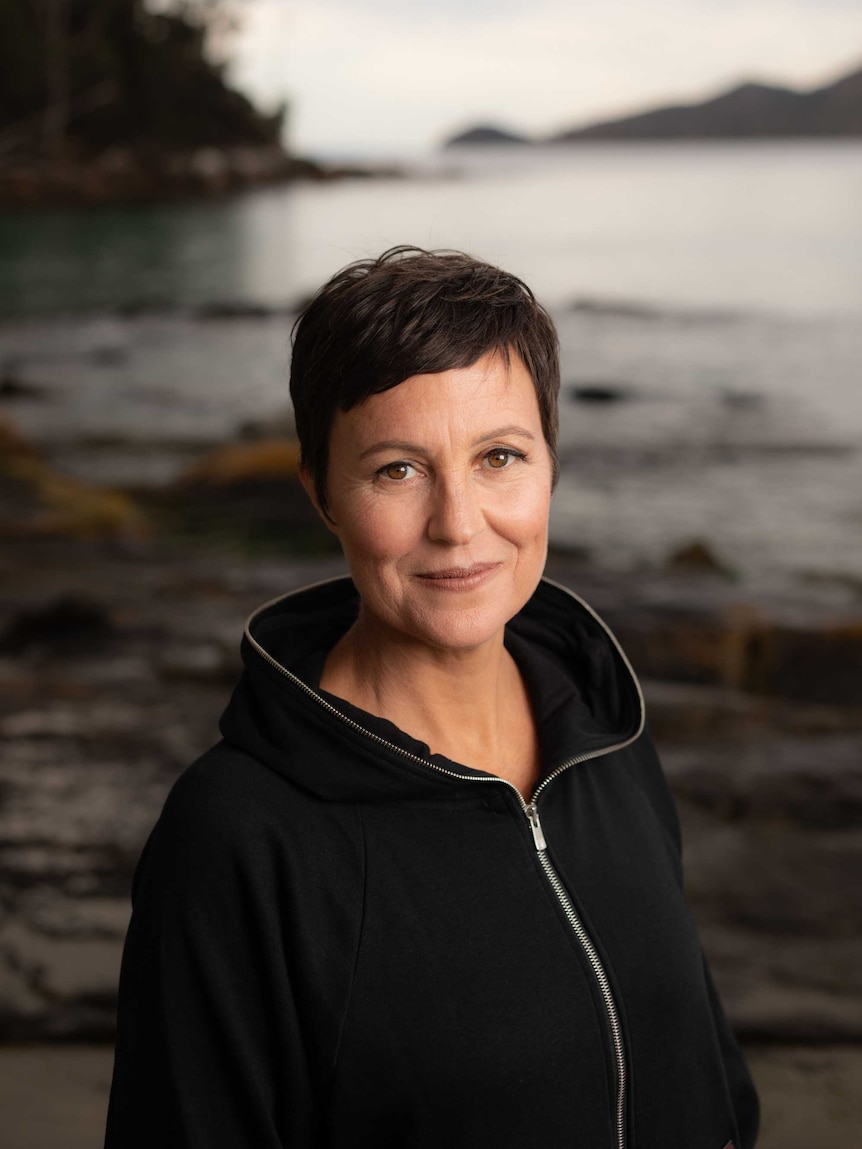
[439, 490]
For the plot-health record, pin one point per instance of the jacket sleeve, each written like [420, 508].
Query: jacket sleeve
[743, 1095]
[740, 1087]
[210, 1051]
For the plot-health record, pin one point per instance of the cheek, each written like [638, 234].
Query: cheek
[379, 533]
[525, 516]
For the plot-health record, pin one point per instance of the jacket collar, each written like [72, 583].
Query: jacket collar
[588, 701]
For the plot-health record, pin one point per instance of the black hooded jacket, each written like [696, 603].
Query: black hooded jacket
[340, 940]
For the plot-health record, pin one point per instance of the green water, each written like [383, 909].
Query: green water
[148, 256]
[768, 227]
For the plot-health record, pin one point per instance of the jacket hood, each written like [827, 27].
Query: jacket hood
[585, 694]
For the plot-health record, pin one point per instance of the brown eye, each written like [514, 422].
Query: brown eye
[499, 459]
[396, 471]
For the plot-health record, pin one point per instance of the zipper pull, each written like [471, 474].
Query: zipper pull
[532, 813]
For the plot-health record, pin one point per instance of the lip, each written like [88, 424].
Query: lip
[459, 578]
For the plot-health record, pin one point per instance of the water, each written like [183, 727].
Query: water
[719, 292]
[730, 225]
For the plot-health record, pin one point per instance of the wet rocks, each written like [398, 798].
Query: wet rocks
[117, 665]
[37, 500]
[119, 174]
[237, 463]
[598, 392]
[236, 309]
[247, 493]
[13, 386]
[62, 624]
[92, 735]
[773, 856]
[698, 557]
[123, 174]
[740, 646]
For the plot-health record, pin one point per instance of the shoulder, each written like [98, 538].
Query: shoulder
[644, 767]
[225, 790]
[233, 820]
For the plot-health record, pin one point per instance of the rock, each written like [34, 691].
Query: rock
[210, 168]
[68, 986]
[280, 425]
[237, 463]
[13, 387]
[768, 785]
[83, 510]
[109, 355]
[247, 494]
[818, 664]
[844, 580]
[785, 985]
[572, 553]
[695, 643]
[697, 557]
[773, 857]
[742, 400]
[681, 712]
[602, 393]
[36, 500]
[811, 1096]
[93, 720]
[235, 309]
[200, 662]
[741, 646]
[778, 1013]
[67, 622]
[815, 783]
[151, 172]
[15, 450]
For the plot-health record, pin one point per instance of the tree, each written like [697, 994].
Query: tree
[77, 76]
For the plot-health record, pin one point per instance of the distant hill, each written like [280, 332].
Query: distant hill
[747, 111]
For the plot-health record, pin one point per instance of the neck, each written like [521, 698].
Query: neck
[469, 705]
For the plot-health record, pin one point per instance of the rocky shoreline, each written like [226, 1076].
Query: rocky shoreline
[120, 175]
[120, 618]
[116, 659]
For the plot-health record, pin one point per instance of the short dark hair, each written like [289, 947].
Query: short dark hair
[411, 312]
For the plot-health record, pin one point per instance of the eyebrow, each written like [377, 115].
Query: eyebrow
[401, 445]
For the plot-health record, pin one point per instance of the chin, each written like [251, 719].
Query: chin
[460, 633]
[462, 626]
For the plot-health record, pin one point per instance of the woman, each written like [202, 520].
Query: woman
[426, 891]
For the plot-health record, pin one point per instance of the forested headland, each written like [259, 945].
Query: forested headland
[104, 100]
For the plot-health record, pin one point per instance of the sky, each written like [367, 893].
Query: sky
[395, 77]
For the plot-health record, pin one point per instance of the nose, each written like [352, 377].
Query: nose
[456, 514]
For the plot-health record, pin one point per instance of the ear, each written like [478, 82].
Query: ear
[308, 483]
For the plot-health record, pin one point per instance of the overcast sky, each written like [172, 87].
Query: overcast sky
[397, 76]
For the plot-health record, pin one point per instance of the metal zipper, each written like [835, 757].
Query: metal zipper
[598, 969]
[529, 809]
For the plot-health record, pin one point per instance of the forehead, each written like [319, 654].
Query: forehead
[462, 395]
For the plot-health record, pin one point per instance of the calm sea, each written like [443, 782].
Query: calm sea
[737, 225]
[709, 300]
